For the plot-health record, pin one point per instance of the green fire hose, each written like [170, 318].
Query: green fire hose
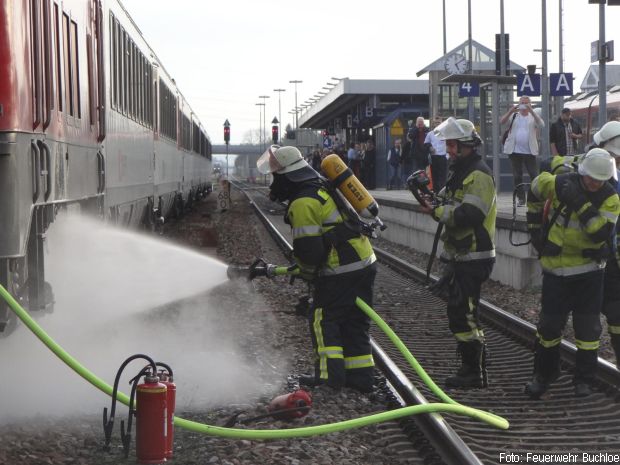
[448, 405]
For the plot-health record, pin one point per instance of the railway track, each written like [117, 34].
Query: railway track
[558, 424]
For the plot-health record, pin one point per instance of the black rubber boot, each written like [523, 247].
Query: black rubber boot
[546, 370]
[615, 343]
[472, 373]
[309, 380]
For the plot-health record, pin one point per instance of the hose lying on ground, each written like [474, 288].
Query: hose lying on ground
[448, 406]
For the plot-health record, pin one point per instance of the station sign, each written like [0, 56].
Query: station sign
[561, 84]
[528, 84]
[469, 89]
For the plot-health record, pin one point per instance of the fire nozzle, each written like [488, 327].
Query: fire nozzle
[418, 184]
[257, 269]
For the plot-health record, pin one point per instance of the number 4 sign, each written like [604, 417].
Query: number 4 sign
[469, 89]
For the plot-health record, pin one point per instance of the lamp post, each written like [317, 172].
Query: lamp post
[264, 97]
[279, 91]
[296, 117]
[260, 126]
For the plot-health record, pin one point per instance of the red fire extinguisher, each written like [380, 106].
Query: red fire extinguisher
[151, 421]
[151, 399]
[166, 377]
[290, 406]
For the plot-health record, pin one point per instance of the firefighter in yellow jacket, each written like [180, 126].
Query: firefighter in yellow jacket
[338, 260]
[468, 215]
[573, 247]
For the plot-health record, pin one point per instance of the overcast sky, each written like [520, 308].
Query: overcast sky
[225, 54]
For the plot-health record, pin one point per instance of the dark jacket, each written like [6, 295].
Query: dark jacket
[557, 135]
[418, 152]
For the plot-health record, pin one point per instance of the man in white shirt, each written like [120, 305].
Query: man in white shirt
[522, 142]
[439, 157]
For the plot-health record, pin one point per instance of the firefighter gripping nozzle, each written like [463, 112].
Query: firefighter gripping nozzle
[257, 269]
[418, 184]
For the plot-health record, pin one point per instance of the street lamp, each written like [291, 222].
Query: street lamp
[295, 82]
[264, 97]
[279, 91]
[260, 127]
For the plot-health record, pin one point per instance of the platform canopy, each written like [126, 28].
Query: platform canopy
[372, 93]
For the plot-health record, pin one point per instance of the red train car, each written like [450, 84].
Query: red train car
[89, 117]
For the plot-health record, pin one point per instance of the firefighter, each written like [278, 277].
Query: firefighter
[340, 263]
[573, 248]
[468, 216]
[608, 138]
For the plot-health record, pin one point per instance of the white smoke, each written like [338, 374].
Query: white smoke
[118, 293]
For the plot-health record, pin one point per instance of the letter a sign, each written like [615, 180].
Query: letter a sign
[528, 84]
[561, 84]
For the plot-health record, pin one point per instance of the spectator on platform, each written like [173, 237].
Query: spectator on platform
[394, 162]
[419, 152]
[316, 159]
[564, 135]
[522, 144]
[439, 157]
[369, 163]
[354, 159]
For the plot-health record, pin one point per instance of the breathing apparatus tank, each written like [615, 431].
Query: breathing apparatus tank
[347, 183]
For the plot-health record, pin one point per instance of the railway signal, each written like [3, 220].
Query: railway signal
[275, 131]
[226, 132]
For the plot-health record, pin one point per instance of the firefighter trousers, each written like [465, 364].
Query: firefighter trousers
[583, 296]
[464, 297]
[340, 330]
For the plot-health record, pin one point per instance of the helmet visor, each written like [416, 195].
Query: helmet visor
[450, 129]
[267, 163]
[613, 146]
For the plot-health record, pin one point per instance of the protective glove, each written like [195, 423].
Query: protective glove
[441, 288]
[572, 194]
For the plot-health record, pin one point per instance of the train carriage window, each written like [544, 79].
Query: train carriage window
[67, 64]
[134, 81]
[113, 63]
[92, 97]
[59, 68]
[131, 110]
[151, 96]
[125, 72]
[141, 88]
[75, 70]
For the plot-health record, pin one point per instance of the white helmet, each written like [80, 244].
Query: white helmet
[608, 137]
[599, 165]
[285, 160]
[458, 129]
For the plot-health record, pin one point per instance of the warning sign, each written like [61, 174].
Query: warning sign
[396, 129]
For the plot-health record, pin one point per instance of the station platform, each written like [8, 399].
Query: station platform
[516, 266]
